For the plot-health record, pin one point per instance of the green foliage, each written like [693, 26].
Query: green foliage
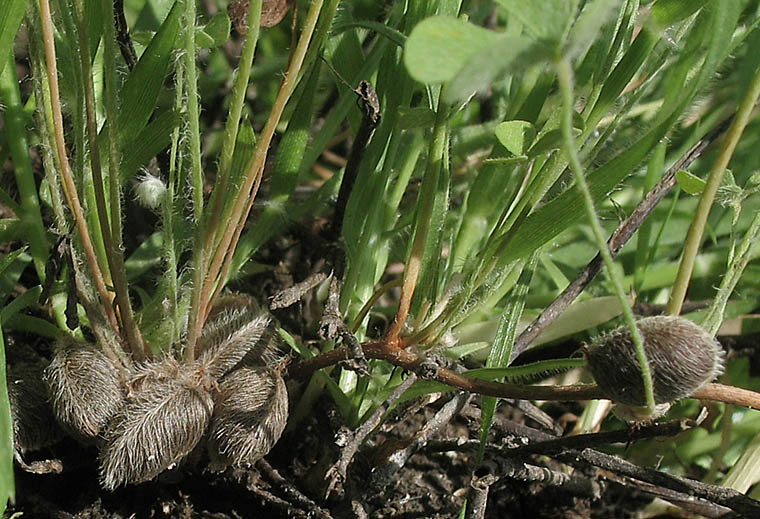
[465, 181]
[7, 485]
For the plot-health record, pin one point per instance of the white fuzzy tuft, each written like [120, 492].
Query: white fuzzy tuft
[150, 191]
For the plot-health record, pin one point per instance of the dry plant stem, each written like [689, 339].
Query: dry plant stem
[520, 471]
[477, 497]
[730, 395]
[412, 362]
[696, 230]
[396, 460]
[592, 440]
[617, 240]
[370, 120]
[337, 473]
[565, 77]
[291, 295]
[122, 35]
[250, 480]
[69, 188]
[332, 327]
[729, 498]
[290, 490]
[222, 257]
[672, 488]
[695, 505]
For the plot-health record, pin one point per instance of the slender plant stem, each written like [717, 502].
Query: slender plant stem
[239, 88]
[222, 257]
[421, 234]
[196, 178]
[114, 244]
[67, 180]
[617, 240]
[565, 77]
[85, 69]
[407, 359]
[735, 270]
[170, 252]
[697, 228]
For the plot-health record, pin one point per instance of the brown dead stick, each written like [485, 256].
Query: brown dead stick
[395, 459]
[409, 360]
[337, 473]
[290, 490]
[736, 501]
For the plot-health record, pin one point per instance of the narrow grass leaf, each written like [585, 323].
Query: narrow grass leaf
[33, 325]
[245, 146]
[10, 19]
[667, 12]
[290, 152]
[643, 245]
[417, 117]
[392, 34]
[140, 92]
[145, 257]
[594, 16]
[712, 34]
[12, 229]
[151, 140]
[527, 373]
[501, 351]
[7, 485]
[25, 300]
[16, 122]
[11, 268]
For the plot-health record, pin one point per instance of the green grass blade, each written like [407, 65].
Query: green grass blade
[25, 300]
[15, 126]
[501, 351]
[11, 14]
[712, 34]
[7, 484]
[151, 140]
[140, 92]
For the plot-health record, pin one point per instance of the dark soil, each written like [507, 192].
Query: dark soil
[431, 484]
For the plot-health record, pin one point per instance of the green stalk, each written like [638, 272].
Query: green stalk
[7, 484]
[168, 207]
[654, 169]
[137, 344]
[239, 88]
[222, 257]
[735, 270]
[424, 217]
[85, 69]
[67, 179]
[196, 178]
[697, 228]
[565, 77]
